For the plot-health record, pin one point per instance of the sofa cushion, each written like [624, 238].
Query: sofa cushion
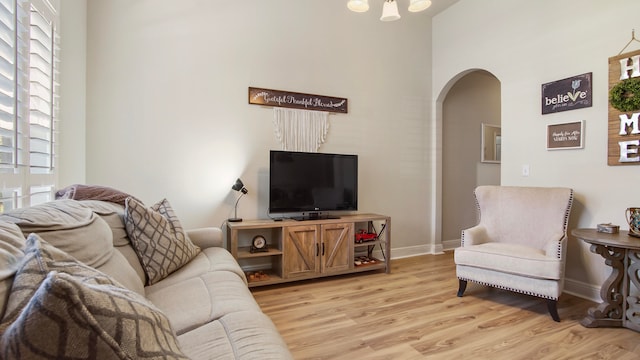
[39, 259]
[69, 226]
[239, 335]
[12, 243]
[158, 238]
[83, 319]
[208, 260]
[113, 215]
[200, 299]
[118, 267]
[512, 259]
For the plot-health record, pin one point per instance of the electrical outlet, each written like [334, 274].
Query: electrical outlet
[525, 170]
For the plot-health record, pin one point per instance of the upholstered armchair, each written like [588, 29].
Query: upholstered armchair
[519, 243]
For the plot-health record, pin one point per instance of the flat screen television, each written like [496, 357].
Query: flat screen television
[312, 183]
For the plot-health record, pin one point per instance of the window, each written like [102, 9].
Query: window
[28, 103]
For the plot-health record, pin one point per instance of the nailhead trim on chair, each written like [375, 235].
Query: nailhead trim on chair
[510, 289]
[567, 212]
[478, 215]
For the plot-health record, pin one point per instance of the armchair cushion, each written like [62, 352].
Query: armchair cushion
[511, 258]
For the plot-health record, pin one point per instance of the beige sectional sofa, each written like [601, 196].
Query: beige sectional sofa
[73, 284]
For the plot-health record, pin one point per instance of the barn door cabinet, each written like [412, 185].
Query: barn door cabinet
[298, 250]
[316, 250]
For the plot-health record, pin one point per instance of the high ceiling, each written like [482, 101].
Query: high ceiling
[437, 6]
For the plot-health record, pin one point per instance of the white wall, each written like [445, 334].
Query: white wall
[528, 43]
[167, 112]
[73, 77]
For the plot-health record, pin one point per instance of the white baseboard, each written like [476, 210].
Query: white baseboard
[451, 244]
[582, 290]
[410, 251]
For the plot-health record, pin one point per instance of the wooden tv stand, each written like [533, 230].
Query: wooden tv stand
[299, 250]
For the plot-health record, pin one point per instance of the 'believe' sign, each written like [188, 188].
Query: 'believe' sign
[567, 94]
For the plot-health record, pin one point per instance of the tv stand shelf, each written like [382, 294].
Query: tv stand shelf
[311, 248]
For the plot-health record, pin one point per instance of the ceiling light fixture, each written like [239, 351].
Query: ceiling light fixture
[390, 7]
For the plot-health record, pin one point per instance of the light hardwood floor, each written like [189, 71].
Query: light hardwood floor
[413, 313]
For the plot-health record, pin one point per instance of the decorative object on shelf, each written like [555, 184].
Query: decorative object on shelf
[363, 235]
[608, 228]
[238, 186]
[633, 219]
[624, 110]
[365, 260]
[258, 244]
[565, 136]
[389, 8]
[256, 276]
[567, 94]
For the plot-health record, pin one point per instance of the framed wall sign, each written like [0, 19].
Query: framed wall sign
[294, 100]
[567, 94]
[565, 136]
[624, 109]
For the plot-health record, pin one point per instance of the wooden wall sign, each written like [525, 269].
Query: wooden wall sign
[624, 109]
[296, 100]
[567, 94]
[565, 136]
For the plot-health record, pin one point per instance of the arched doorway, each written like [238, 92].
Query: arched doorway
[472, 100]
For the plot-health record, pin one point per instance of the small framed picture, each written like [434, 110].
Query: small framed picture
[565, 136]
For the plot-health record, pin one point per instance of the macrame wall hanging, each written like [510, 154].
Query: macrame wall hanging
[300, 120]
[300, 130]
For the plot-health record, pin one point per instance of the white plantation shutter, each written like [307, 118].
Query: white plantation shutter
[7, 84]
[28, 103]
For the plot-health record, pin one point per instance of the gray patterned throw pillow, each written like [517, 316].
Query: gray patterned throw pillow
[72, 319]
[158, 238]
[62, 309]
[39, 259]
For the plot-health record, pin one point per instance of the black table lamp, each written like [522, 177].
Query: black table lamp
[238, 186]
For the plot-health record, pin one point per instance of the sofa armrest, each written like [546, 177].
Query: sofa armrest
[206, 237]
[474, 236]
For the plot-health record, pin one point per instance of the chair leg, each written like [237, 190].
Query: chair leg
[462, 286]
[552, 305]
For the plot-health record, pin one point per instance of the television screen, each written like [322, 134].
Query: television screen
[312, 182]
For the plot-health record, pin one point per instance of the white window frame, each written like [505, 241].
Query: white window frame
[30, 177]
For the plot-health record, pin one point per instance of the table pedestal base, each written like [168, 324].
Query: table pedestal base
[610, 311]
